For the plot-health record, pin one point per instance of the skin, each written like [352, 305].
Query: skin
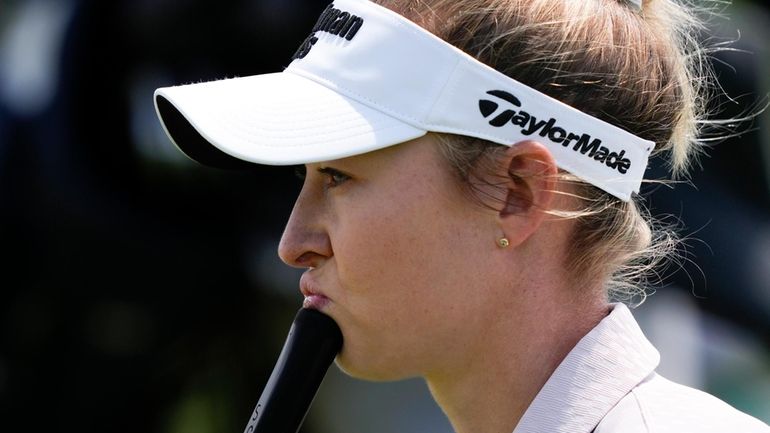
[409, 268]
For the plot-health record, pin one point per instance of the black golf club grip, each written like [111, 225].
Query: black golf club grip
[311, 346]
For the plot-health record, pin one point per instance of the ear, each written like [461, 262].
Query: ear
[529, 172]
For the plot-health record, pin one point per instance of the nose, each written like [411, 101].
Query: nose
[305, 242]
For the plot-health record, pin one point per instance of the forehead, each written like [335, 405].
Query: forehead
[417, 152]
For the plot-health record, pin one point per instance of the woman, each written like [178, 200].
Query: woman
[469, 202]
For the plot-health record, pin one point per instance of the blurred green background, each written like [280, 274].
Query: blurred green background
[142, 292]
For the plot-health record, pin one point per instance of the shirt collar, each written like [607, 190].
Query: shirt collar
[602, 368]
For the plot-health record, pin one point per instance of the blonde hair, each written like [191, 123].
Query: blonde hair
[641, 70]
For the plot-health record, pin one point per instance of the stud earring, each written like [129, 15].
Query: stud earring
[503, 242]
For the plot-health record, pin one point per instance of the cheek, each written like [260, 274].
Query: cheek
[402, 285]
[389, 252]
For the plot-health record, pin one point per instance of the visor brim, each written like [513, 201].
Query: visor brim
[273, 119]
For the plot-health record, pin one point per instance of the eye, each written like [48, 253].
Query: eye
[334, 177]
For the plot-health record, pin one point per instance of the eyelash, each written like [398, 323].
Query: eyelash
[333, 177]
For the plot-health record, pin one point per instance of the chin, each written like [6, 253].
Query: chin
[368, 368]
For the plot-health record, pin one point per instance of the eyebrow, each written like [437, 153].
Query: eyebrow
[329, 170]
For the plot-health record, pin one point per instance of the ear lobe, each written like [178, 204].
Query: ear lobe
[530, 171]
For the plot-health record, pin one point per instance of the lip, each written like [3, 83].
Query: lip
[315, 299]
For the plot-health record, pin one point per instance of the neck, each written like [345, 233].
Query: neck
[511, 361]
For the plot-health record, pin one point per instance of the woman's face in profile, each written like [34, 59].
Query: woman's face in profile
[393, 248]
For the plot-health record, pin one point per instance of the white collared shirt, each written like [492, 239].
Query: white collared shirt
[608, 384]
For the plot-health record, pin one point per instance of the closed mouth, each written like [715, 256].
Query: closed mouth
[314, 297]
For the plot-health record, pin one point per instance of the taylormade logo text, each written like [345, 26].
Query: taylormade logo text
[580, 142]
[333, 21]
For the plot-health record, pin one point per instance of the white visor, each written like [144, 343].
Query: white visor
[368, 78]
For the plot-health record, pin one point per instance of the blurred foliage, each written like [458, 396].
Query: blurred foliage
[141, 292]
